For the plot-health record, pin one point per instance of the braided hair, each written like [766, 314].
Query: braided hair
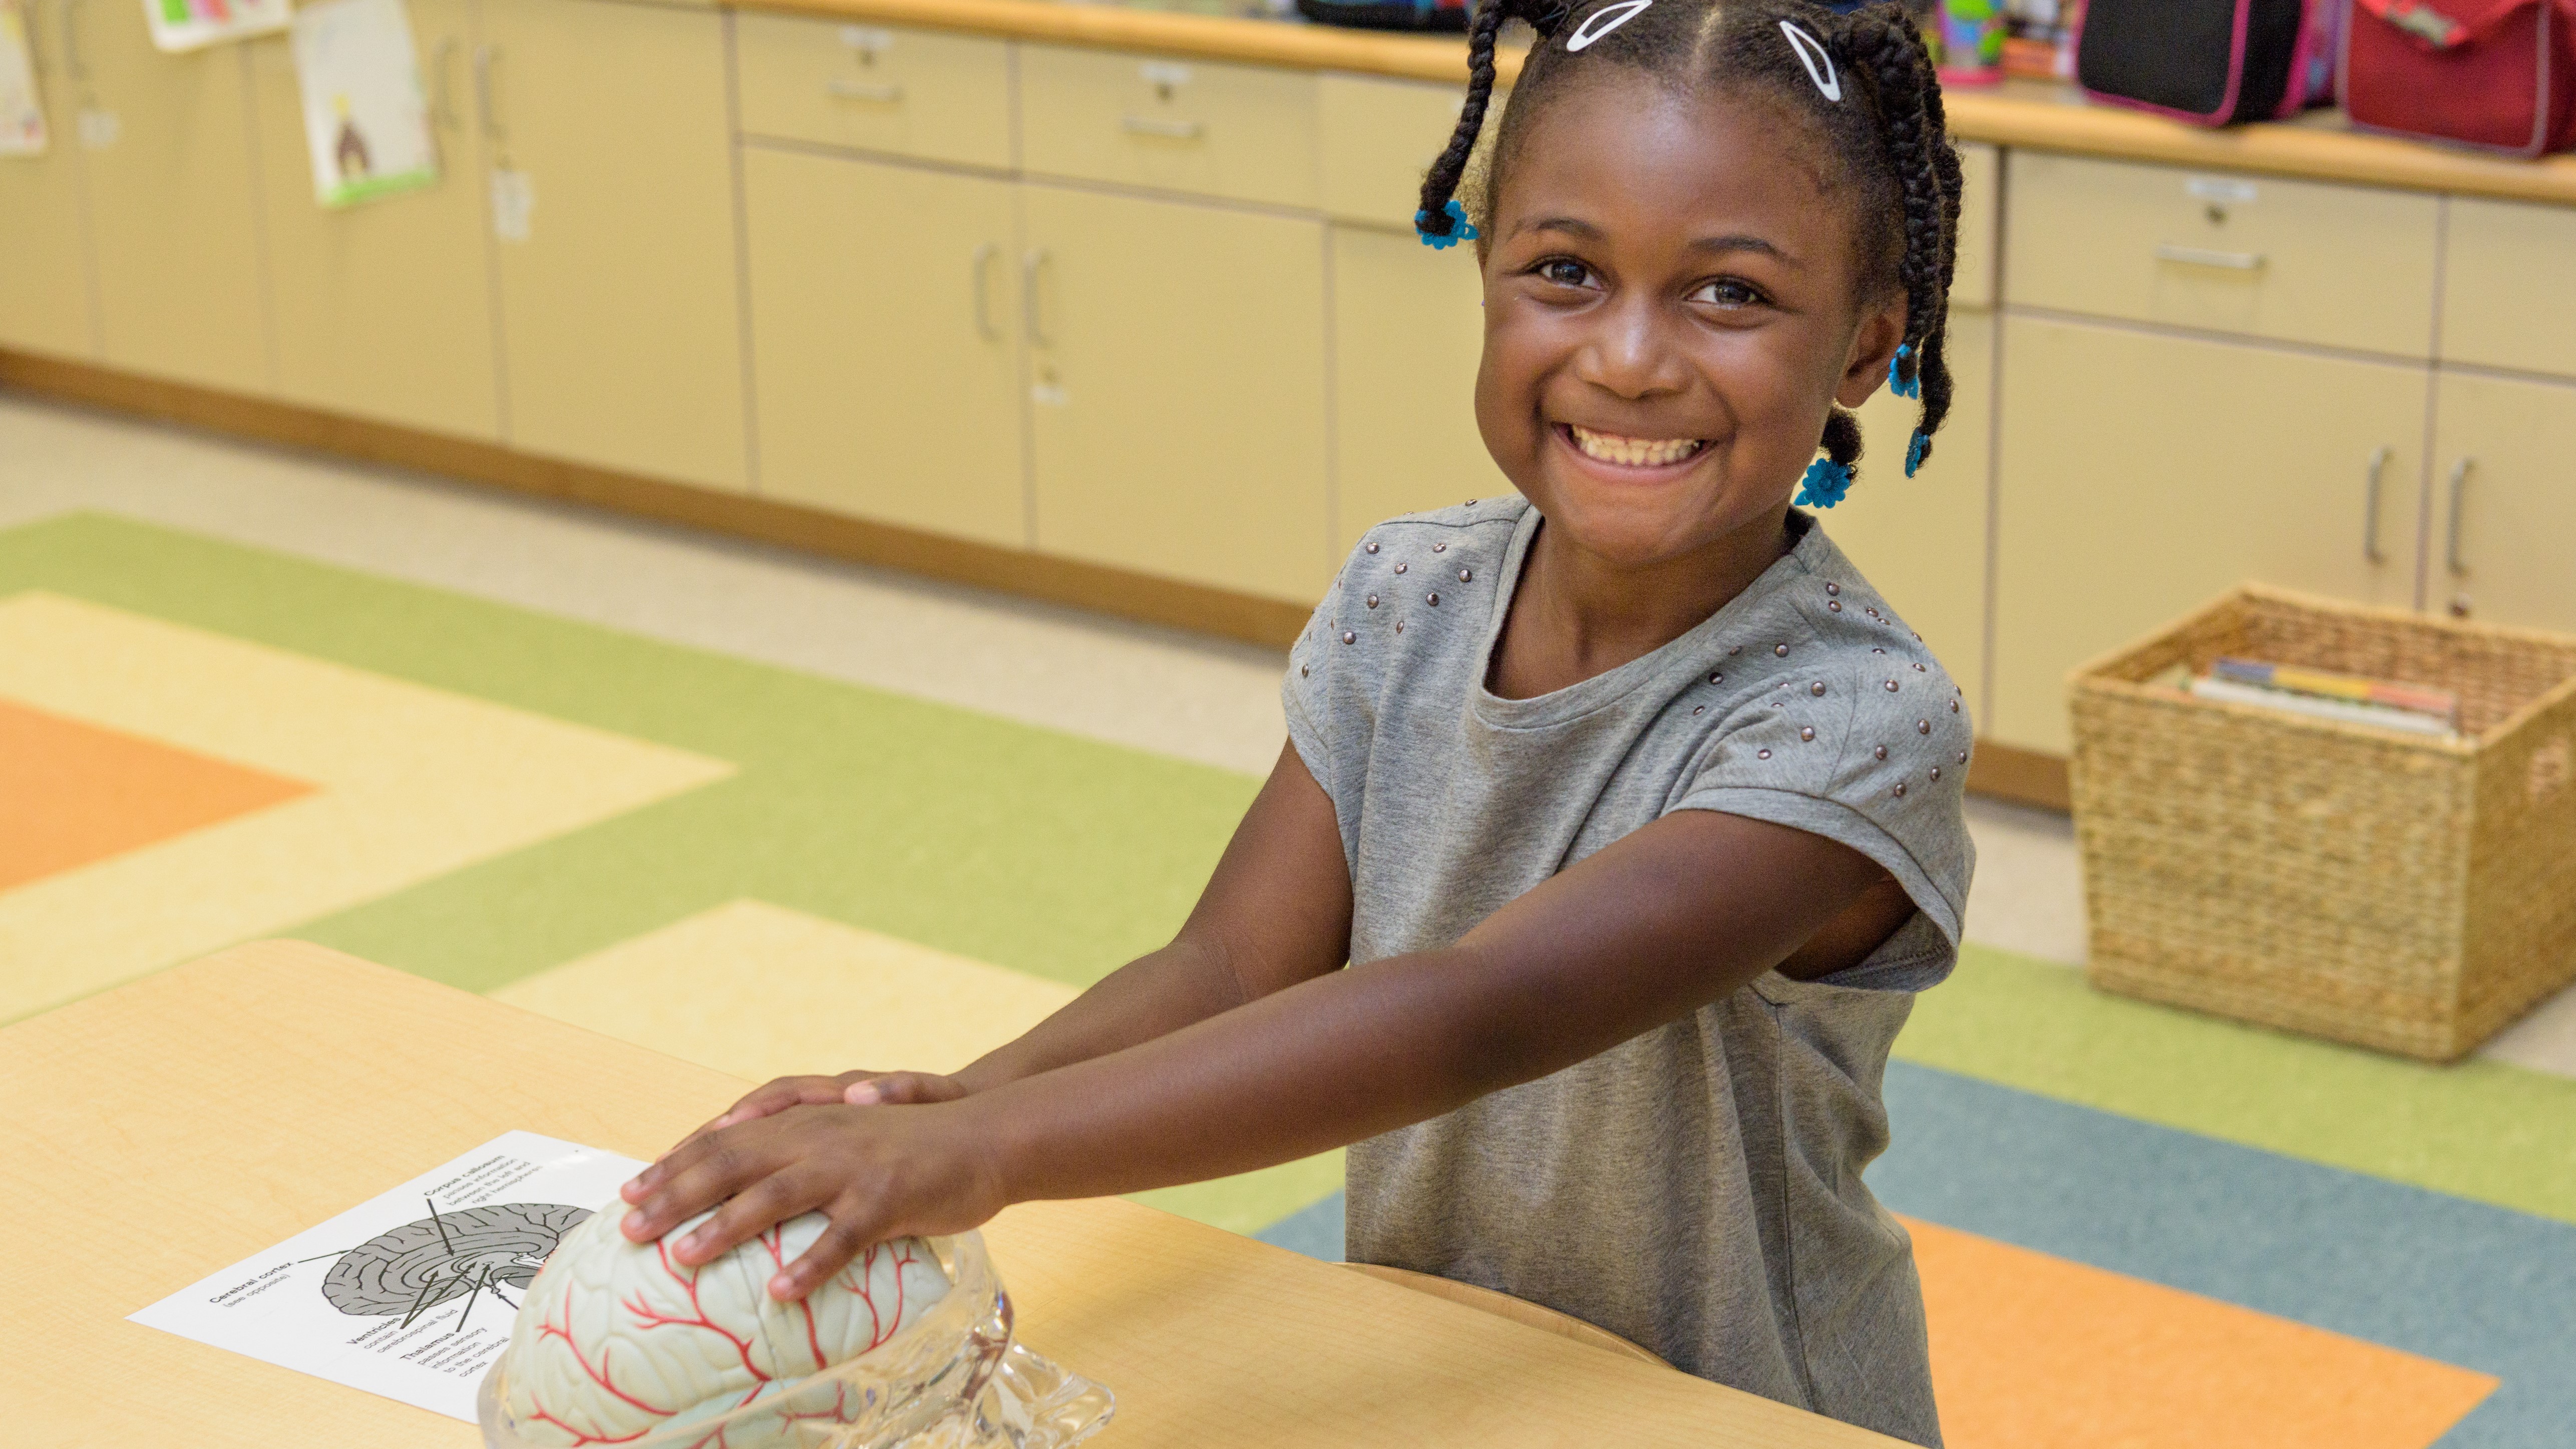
[1886, 136]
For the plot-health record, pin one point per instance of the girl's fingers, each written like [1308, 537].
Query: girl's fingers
[767, 1100]
[855, 1226]
[779, 1095]
[902, 1089]
[694, 1177]
[754, 1210]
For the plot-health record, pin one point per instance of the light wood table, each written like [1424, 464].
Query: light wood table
[156, 1133]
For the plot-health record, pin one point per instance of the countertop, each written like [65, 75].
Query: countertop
[2040, 115]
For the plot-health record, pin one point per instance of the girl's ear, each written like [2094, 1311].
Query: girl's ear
[1873, 348]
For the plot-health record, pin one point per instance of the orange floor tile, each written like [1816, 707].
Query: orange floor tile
[72, 793]
[2035, 1352]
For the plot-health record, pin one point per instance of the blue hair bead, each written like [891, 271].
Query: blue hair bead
[1460, 229]
[1897, 382]
[1824, 485]
[1915, 450]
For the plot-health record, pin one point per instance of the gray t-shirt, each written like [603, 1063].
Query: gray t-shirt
[1697, 1188]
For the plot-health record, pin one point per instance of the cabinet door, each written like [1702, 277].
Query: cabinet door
[2504, 527]
[1408, 333]
[383, 309]
[1922, 540]
[620, 317]
[2142, 475]
[171, 168]
[884, 325]
[1177, 390]
[45, 283]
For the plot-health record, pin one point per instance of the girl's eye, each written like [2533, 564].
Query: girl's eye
[1728, 292]
[1564, 272]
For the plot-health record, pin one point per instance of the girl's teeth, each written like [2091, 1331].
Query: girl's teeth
[1635, 452]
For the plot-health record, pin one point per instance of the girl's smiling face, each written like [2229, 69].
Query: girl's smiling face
[1672, 302]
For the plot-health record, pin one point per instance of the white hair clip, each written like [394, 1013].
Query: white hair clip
[1604, 20]
[1818, 61]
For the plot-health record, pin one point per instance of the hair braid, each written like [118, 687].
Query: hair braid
[1440, 183]
[1908, 102]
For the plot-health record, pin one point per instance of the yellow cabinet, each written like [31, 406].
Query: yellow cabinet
[905, 92]
[1922, 540]
[1408, 333]
[608, 137]
[2140, 475]
[884, 324]
[1375, 138]
[2260, 255]
[1243, 132]
[2504, 502]
[45, 289]
[383, 310]
[2508, 297]
[1177, 390]
[174, 223]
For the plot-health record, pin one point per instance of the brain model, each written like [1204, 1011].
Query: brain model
[617, 1339]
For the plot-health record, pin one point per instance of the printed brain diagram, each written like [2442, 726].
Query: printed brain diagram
[446, 1255]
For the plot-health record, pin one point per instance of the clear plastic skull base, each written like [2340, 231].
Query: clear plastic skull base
[910, 1345]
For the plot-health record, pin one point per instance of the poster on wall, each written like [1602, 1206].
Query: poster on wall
[194, 24]
[366, 121]
[22, 111]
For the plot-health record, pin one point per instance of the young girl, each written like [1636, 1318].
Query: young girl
[1633, 810]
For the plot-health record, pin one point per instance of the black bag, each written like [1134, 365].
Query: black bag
[1388, 14]
[2211, 62]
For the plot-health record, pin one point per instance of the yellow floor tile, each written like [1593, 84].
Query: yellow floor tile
[410, 783]
[761, 991]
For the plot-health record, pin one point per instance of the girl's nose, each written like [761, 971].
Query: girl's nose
[1631, 351]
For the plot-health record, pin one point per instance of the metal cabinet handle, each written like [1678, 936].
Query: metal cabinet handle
[979, 273]
[1156, 126]
[2204, 257]
[1029, 320]
[75, 64]
[2459, 492]
[2370, 505]
[442, 112]
[486, 58]
[863, 91]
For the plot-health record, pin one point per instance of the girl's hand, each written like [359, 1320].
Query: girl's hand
[859, 1088]
[876, 1174]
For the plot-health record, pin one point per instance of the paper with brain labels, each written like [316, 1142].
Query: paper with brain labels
[411, 1294]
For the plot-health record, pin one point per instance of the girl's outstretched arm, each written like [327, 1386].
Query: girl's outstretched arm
[1672, 917]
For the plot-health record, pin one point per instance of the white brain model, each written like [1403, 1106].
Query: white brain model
[617, 1339]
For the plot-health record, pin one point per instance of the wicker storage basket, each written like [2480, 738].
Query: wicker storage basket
[2411, 893]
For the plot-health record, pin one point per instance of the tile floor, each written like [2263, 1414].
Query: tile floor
[1214, 701]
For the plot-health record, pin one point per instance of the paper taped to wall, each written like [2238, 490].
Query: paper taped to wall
[366, 121]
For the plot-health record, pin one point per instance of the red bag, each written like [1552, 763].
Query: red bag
[2498, 74]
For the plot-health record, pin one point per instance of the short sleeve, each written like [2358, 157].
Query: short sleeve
[1864, 741]
[1328, 696]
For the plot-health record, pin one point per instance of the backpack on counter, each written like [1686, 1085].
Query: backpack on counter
[1388, 14]
[2210, 62]
[2496, 74]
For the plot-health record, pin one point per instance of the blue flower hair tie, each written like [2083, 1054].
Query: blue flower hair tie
[1897, 382]
[1824, 485]
[1915, 450]
[1459, 227]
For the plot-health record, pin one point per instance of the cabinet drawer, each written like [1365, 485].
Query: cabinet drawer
[1240, 132]
[1981, 195]
[2508, 298]
[2302, 261]
[1377, 137]
[903, 92]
